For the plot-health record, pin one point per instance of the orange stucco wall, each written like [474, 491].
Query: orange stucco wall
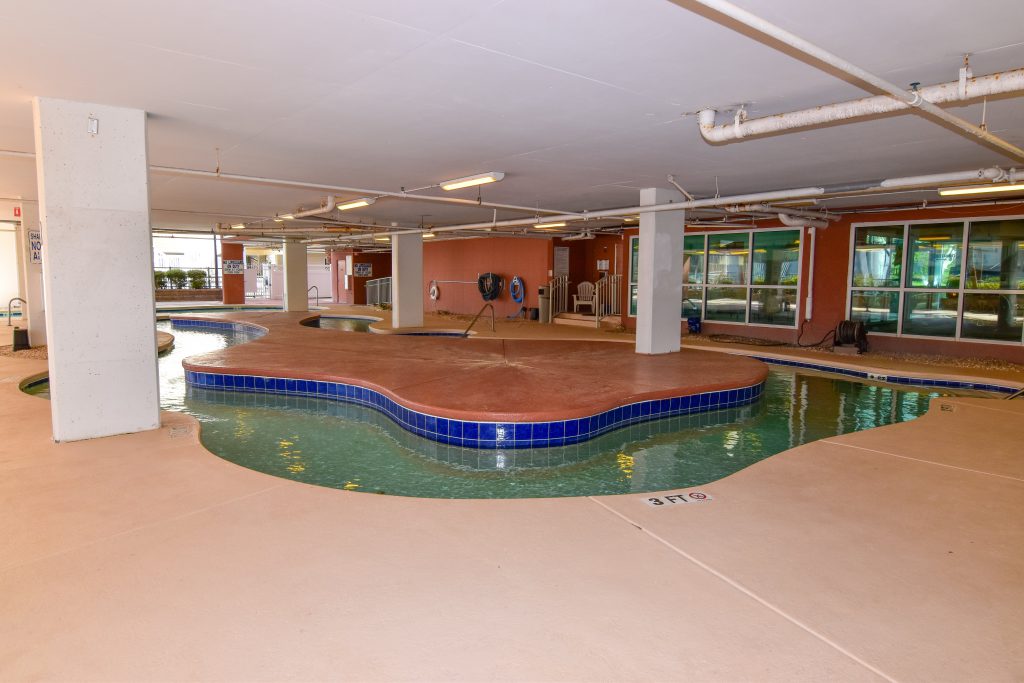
[380, 264]
[233, 285]
[465, 260]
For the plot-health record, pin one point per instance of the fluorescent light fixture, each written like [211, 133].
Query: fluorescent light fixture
[278, 219]
[238, 226]
[287, 216]
[356, 203]
[472, 180]
[548, 226]
[428, 235]
[381, 239]
[982, 189]
[631, 219]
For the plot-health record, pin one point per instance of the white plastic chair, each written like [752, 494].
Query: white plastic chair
[584, 296]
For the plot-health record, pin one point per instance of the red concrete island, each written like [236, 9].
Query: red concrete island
[496, 381]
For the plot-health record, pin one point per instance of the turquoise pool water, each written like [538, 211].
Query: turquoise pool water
[355, 448]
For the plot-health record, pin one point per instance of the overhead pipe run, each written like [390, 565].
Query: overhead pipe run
[912, 98]
[973, 88]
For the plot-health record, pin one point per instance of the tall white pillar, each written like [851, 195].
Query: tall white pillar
[660, 276]
[407, 280]
[30, 275]
[296, 277]
[93, 185]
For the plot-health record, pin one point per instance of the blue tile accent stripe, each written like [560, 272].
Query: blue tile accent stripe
[473, 434]
[893, 379]
[244, 328]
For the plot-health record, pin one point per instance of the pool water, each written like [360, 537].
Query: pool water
[343, 323]
[356, 448]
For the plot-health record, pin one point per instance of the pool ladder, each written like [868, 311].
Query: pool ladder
[477, 317]
[18, 298]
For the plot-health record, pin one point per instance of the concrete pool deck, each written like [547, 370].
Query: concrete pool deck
[896, 553]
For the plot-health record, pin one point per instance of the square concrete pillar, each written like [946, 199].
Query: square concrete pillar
[660, 274]
[232, 285]
[296, 277]
[93, 181]
[407, 280]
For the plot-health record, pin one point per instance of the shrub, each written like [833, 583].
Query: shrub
[160, 279]
[177, 277]
[197, 279]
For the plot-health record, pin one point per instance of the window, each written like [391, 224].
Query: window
[738, 277]
[961, 280]
[634, 269]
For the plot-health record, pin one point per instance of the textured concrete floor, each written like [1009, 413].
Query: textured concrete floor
[896, 553]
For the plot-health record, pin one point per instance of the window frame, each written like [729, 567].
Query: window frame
[904, 289]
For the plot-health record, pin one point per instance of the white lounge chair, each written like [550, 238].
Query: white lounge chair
[584, 296]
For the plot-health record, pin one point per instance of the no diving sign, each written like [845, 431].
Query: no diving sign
[679, 498]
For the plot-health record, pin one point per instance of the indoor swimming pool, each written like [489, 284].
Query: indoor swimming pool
[356, 448]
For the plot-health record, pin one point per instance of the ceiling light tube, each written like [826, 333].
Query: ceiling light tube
[982, 189]
[356, 203]
[238, 226]
[472, 180]
[428, 235]
[545, 226]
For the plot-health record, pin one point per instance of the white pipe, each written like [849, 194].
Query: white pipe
[982, 86]
[800, 222]
[913, 99]
[769, 209]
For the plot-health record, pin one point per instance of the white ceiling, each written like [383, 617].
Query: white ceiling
[579, 102]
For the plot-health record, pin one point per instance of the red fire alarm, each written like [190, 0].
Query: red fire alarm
[17, 212]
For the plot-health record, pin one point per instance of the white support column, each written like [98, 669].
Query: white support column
[296, 277]
[407, 280]
[31, 276]
[93, 182]
[660, 276]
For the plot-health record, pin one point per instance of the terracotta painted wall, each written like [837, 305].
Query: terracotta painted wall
[465, 260]
[583, 256]
[832, 256]
[233, 285]
[356, 294]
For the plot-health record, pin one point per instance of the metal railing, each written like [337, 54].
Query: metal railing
[477, 317]
[559, 288]
[378, 291]
[607, 299]
[1016, 394]
[9, 308]
[317, 294]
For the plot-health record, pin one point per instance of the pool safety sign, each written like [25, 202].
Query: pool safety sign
[233, 267]
[35, 246]
[676, 499]
[362, 269]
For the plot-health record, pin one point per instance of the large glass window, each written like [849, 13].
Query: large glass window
[634, 270]
[737, 277]
[944, 292]
[878, 310]
[878, 256]
[995, 255]
[934, 259]
[728, 256]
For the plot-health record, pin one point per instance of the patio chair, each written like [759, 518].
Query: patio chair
[584, 296]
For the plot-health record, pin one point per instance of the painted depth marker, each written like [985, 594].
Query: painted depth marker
[679, 498]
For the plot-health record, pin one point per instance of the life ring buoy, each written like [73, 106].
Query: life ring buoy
[516, 289]
[435, 291]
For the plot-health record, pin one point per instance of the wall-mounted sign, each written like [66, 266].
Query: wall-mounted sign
[362, 269]
[233, 267]
[17, 212]
[561, 261]
[602, 264]
[35, 246]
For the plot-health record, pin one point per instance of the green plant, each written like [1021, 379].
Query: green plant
[197, 278]
[177, 277]
[160, 279]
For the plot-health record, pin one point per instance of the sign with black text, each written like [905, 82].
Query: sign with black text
[35, 246]
[233, 267]
[672, 499]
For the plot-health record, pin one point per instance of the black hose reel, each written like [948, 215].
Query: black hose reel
[490, 286]
[852, 333]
